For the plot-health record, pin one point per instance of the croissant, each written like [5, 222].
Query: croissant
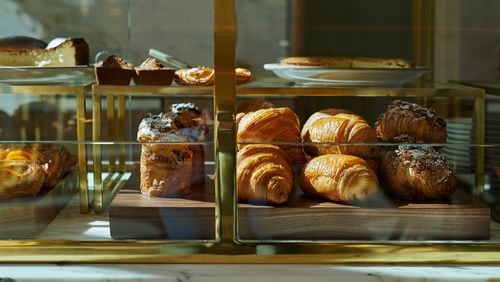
[339, 178]
[416, 173]
[409, 122]
[253, 105]
[264, 174]
[20, 178]
[272, 125]
[341, 128]
[318, 115]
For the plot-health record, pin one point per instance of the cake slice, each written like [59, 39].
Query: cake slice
[71, 52]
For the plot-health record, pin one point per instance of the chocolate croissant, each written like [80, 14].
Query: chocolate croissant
[339, 178]
[272, 125]
[409, 122]
[417, 173]
[20, 178]
[341, 128]
[264, 174]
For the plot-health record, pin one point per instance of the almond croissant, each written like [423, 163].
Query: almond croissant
[341, 128]
[409, 122]
[264, 174]
[340, 178]
[416, 173]
[272, 125]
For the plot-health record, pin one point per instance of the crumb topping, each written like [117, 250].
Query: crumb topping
[424, 158]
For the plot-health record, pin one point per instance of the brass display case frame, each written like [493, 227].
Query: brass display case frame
[226, 248]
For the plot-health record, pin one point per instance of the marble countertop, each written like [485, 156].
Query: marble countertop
[289, 273]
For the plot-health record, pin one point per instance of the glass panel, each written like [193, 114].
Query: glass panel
[283, 197]
[98, 124]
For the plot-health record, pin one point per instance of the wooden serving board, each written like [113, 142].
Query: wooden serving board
[26, 218]
[134, 216]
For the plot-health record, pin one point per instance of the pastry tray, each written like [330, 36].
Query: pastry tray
[134, 216]
[26, 218]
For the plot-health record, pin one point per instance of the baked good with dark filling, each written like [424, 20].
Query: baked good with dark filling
[114, 70]
[152, 72]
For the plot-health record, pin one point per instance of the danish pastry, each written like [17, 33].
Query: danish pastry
[409, 122]
[339, 178]
[417, 173]
[204, 76]
[20, 178]
[264, 174]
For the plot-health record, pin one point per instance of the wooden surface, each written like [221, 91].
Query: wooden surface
[134, 216]
[26, 218]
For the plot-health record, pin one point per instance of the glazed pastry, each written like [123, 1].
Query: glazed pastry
[204, 76]
[55, 160]
[166, 159]
[416, 173]
[409, 122]
[253, 105]
[198, 76]
[342, 128]
[339, 178]
[264, 174]
[20, 178]
[243, 76]
[348, 62]
[318, 115]
[272, 125]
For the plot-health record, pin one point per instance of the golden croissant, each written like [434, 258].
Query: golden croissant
[272, 125]
[339, 178]
[341, 128]
[416, 173]
[409, 122]
[253, 105]
[318, 115]
[264, 174]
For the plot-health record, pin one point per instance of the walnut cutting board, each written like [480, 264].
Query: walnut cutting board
[134, 216]
[26, 218]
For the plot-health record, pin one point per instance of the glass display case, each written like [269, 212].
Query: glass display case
[299, 164]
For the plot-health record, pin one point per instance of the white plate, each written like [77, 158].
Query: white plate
[47, 75]
[310, 75]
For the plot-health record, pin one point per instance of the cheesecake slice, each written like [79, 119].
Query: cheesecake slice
[71, 52]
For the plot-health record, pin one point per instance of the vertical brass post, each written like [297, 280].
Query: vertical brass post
[224, 107]
[82, 150]
[96, 147]
[111, 132]
[121, 133]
